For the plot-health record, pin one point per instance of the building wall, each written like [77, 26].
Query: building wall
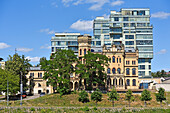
[36, 77]
[128, 22]
[2, 64]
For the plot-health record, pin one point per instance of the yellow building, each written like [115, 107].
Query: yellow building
[35, 80]
[122, 72]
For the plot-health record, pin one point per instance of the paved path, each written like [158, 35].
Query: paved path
[32, 97]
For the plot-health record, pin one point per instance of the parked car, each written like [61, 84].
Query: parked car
[42, 94]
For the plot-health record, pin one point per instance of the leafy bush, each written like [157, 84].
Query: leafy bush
[63, 91]
[32, 109]
[83, 97]
[95, 108]
[85, 108]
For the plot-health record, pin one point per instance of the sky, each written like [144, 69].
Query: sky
[28, 25]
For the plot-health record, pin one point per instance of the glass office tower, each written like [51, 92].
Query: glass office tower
[65, 41]
[131, 27]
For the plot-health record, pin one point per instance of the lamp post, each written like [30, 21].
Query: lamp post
[21, 89]
[7, 92]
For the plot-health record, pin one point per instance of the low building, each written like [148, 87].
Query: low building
[165, 83]
[35, 80]
[2, 63]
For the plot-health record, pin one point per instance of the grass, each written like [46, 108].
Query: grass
[84, 110]
[71, 100]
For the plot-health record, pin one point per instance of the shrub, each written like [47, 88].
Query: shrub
[83, 97]
[32, 109]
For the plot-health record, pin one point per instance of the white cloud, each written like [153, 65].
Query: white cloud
[24, 49]
[54, 4]
[86, 25]
[117, 3]
[97, 4]
[33, 59]
[4, 45]
[46, 46]
[48, 31]
[78, 2]
[66, 2]
[163, 51]
[162, 15]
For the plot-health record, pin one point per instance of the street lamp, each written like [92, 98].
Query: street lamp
[7, 91]
[21, 89]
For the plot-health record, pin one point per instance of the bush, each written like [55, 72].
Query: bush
[95, 108]
[63, 91]
[83, 97]
[85, 108]
[32, 109]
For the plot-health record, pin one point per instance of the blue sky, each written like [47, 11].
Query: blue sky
[28, 25]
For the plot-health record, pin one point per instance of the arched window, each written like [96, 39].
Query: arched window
[113, 59]
[121, 81]
[80, 52]
[127, 71]
[118, 70]
[133, 71]
[134, 82]
[109, 59]
[113, 70]
[84, 51]
[119, 60]
[128, 82]
[108, 70]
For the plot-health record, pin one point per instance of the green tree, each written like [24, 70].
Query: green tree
[113, 96]
[96, 96]
[58, 69]
[146, 96]
[129, 96]
[18, 66]
[83, 97]
[13, 82]
[160, 96]
[92, 70]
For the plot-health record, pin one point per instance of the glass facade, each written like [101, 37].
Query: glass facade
[130, 27]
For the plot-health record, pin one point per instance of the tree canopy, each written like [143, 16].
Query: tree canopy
[96, 96]
[58, 68]
[129, 96]
[13, 82]
[160, 96]
[113, 96]
[18, 65]
[146, 96]
[92, 70]
[83, 96]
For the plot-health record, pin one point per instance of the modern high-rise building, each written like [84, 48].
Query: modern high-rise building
[65, 41]
[131, 27]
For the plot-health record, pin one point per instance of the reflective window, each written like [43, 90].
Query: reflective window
[113, 70]
[108, 70]
[133, 71]
[134, 82]
[129, 42]
[128, 82]
[113, 59]
[118, 70]
[125, 18]
[127, 71]
[129, 36]
[84, 51]
[141, 66]
[116, 19]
